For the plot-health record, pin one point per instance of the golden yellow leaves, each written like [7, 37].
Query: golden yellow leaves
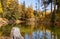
[1, 8]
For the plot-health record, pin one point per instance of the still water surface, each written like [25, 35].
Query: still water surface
[41, 32]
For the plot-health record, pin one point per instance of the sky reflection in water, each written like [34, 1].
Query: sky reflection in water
[40, 35]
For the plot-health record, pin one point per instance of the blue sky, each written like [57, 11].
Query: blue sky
[28, 2]
[33, 2]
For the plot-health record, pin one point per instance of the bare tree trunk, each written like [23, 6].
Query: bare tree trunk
[54, 6]
[54, 10]
[44, 6]
[51, 7]
[58, 5]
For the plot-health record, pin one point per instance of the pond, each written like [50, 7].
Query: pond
[39, 31]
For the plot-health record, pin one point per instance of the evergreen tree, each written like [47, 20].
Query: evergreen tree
[23, 12]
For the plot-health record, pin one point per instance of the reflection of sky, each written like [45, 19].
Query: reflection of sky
[39, 35]
[33, 2]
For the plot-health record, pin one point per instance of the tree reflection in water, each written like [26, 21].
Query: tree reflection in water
[41, 33]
